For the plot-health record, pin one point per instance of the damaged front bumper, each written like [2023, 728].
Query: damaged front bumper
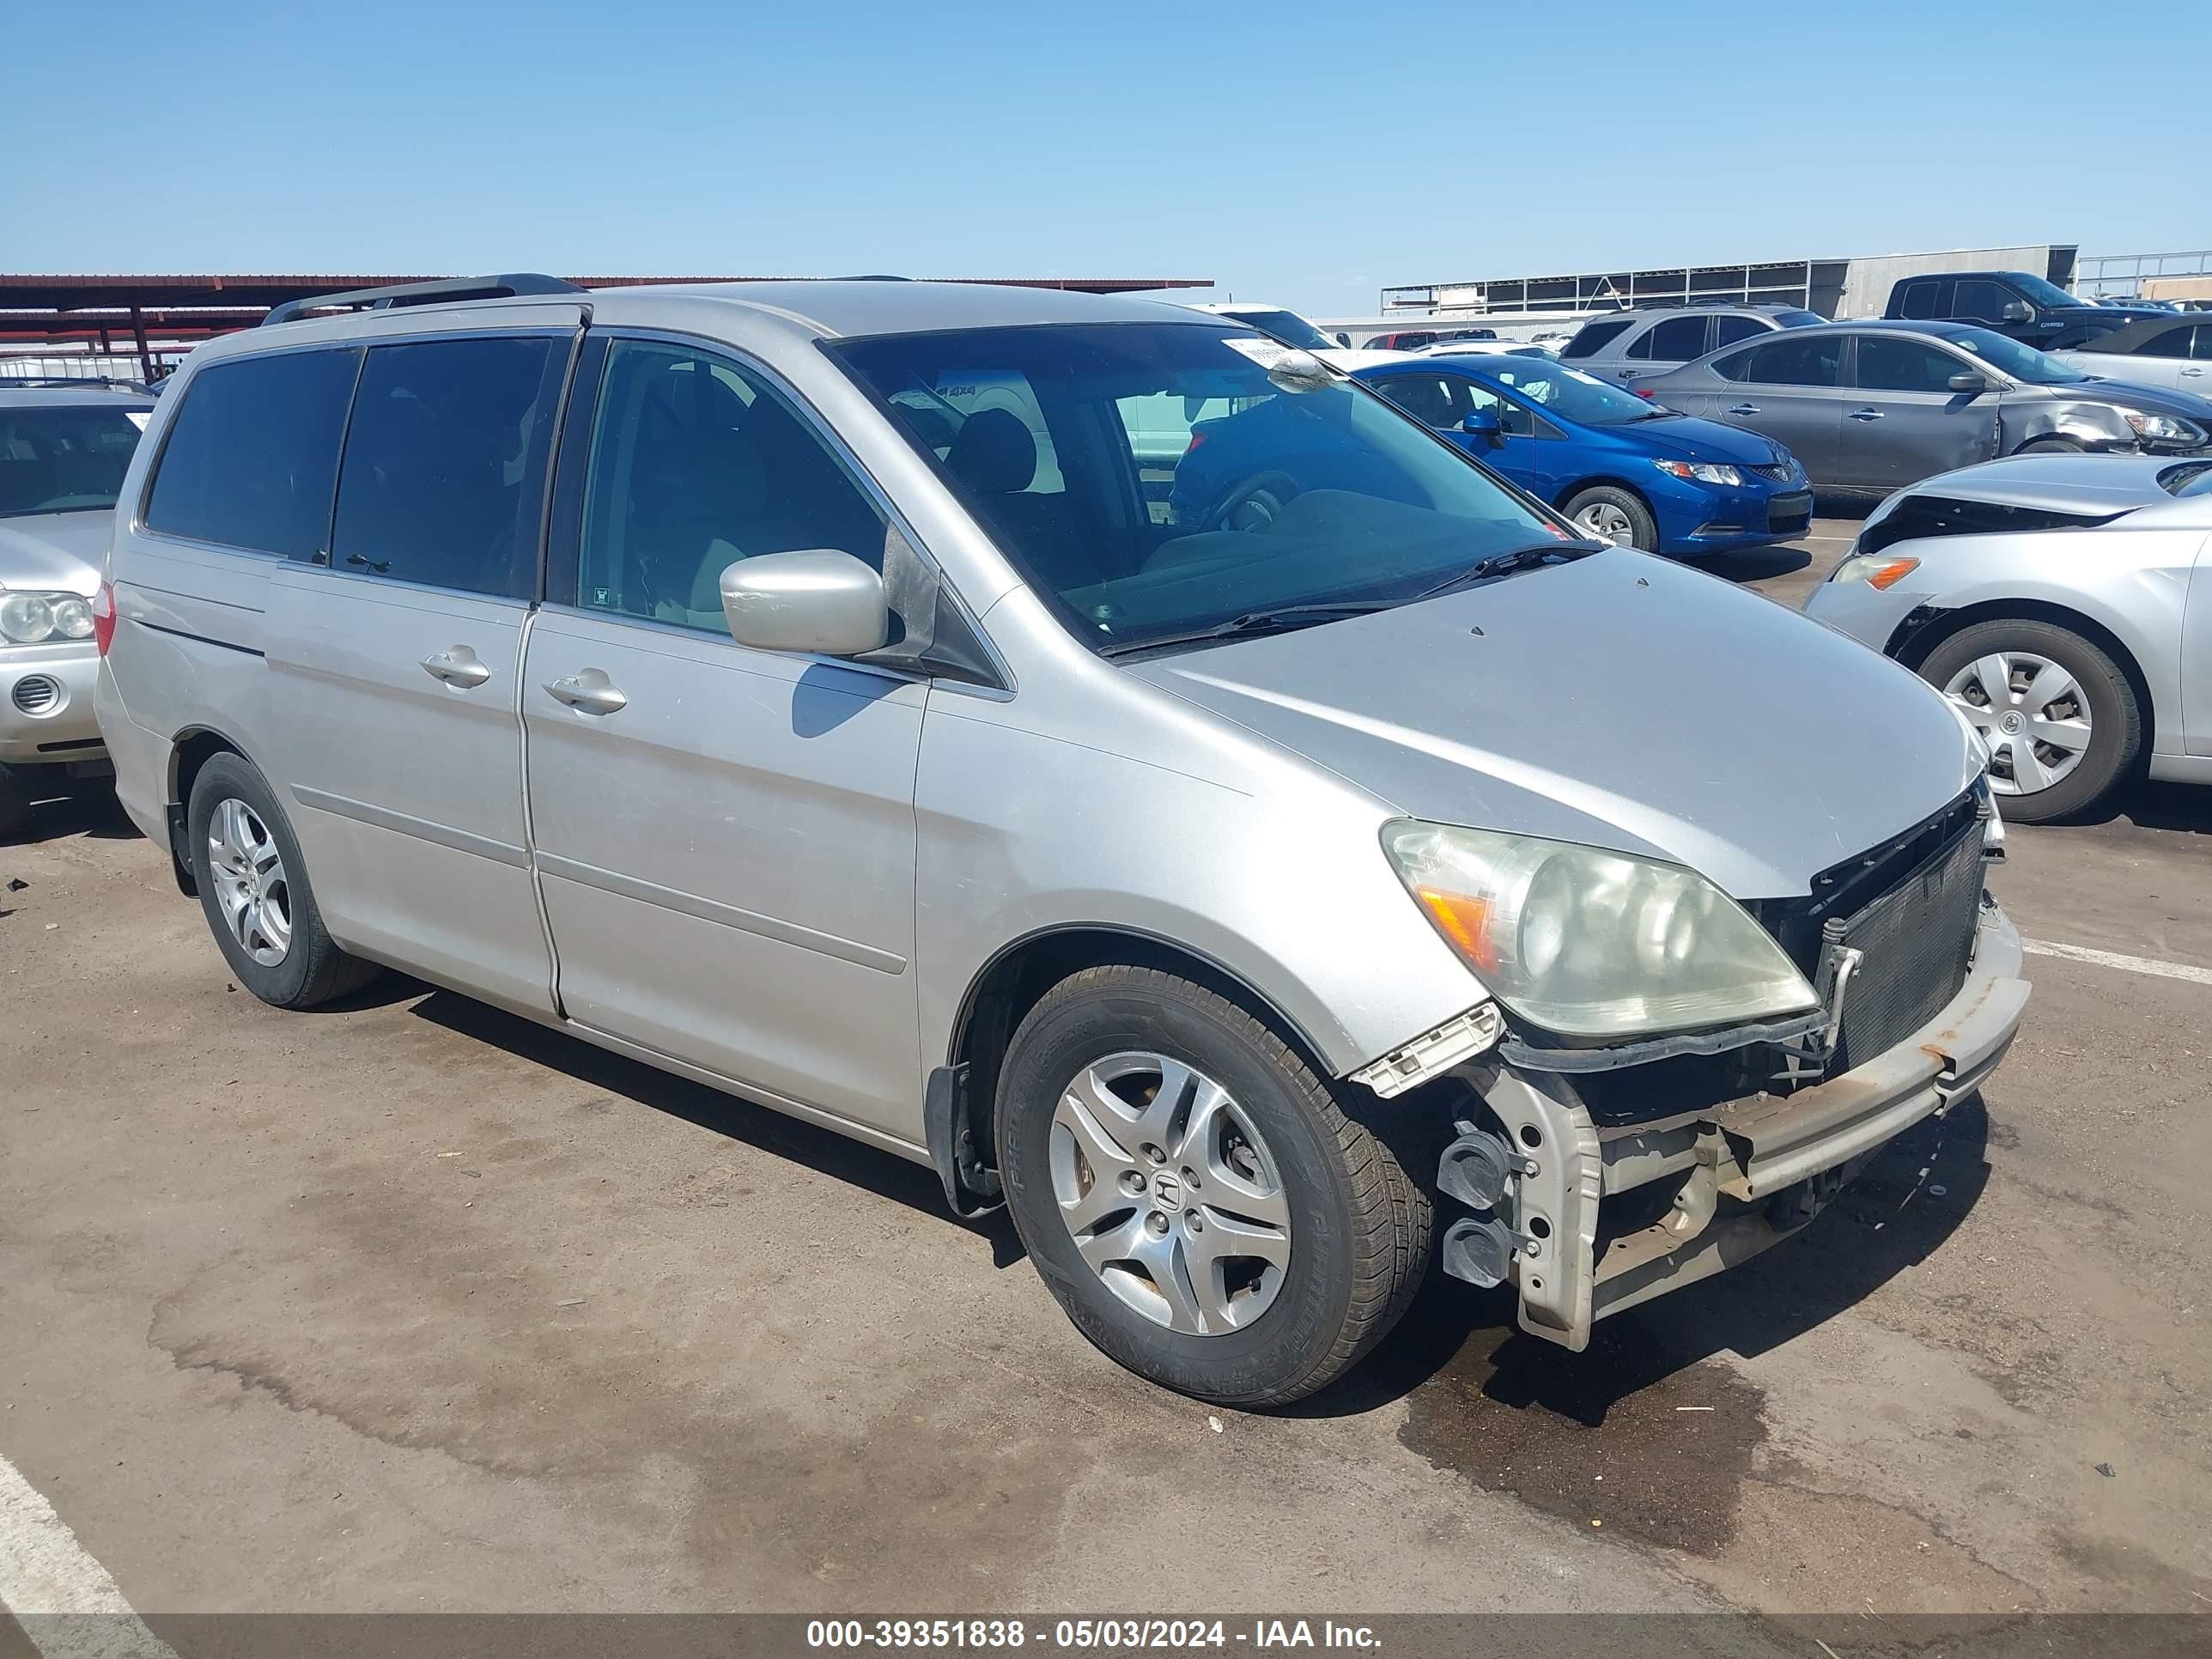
[1584, 1219]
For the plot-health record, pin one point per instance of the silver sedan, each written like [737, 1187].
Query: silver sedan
[2063, 604]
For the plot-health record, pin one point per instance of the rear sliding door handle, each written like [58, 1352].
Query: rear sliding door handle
[1743, 409]
[1866, 415]
[589, 689]
[459, 666]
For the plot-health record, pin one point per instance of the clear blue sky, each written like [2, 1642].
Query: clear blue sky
[1255, 144]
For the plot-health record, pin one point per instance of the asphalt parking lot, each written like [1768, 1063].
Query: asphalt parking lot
[414, 1306]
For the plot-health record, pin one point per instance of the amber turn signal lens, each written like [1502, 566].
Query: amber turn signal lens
[1466, 922]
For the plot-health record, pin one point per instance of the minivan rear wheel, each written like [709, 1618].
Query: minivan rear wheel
[253, 888]
[2060, 717]
[1193, 1194]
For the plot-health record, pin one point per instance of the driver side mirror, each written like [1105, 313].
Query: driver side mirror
[1344, 339]
[1968, 382]
[1482, 424]
[821, 602]
[2016, 311]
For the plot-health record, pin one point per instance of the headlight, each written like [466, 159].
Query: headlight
[29, 618]
[1591, 943]
[1701, 471]
[2164, 429]
[1874, 569]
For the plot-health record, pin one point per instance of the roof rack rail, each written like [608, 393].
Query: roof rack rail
[423, 294]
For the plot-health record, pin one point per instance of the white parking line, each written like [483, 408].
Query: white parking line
[63, 1599]
[2181, 970]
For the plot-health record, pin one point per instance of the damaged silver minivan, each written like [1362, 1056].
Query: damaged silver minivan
[815, 691]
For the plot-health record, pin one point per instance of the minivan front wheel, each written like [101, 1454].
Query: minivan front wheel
[1193, 1194]
[253, 888]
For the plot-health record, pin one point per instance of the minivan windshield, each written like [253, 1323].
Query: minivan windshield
[1152, 482]
[64, 457]
[2022, 363]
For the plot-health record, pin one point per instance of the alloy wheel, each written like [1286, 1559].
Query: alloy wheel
[2033, 714]
[250, 888]
[1169, 1193]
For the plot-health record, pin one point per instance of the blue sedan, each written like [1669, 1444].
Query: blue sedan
[1623, 469]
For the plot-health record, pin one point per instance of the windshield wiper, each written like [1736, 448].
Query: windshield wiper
[1518, 558]
[1280, 620]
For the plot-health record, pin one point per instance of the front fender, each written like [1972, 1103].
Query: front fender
[1279, 881]
[2137, 601]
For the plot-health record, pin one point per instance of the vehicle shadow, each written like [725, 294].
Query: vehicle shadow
[2153, 806]
[1899, 1211]
[73, 808]
[1755, 564]
[881, 1173]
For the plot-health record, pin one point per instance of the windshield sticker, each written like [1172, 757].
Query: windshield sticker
[1266, 353]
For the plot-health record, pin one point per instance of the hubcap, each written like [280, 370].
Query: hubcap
[1608, 522]
[2033, 714]
[251, 889]
[1170, 1194]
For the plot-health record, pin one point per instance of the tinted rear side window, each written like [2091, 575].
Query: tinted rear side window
[1793, 359]
[2174, 343]
[1593, 337]
[444, 479]
[252, 458]
[1919, 300]
[1679, 339]
[1729, 330]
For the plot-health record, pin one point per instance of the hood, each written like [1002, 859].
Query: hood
[1621, 701]
[1693, 439]
[2058, 483]
[1348, 358]
[59, 552]
[2150, 399]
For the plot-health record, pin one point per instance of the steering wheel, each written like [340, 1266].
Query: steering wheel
[1253, 504]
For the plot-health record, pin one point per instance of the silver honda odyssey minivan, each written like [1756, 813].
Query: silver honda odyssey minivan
[811, 690]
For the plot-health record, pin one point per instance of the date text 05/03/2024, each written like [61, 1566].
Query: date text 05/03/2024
[1089, 1634]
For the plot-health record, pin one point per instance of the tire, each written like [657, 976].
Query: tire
[1355, 1229]
[2103, 694]
[309, 968]
[14, 803]
[1608, 505]
[2050, 447]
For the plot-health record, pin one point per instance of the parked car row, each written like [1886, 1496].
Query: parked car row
[1875, 405]
[810, 690]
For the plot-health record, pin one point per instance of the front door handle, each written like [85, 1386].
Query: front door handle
[589, 689]
[1866, 415]
[459, 666]
[1743, 409]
